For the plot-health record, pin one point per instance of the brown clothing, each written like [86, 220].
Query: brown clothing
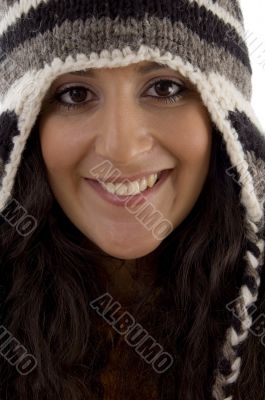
[110, 375]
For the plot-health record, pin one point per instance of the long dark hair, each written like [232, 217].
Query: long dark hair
[49, 277]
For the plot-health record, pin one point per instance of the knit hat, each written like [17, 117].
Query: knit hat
[202, 39]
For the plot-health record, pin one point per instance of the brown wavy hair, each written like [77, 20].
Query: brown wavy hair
[49, 277]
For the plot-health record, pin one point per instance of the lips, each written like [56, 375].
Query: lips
[140, 198]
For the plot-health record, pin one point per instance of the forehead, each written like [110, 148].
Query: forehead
[140, 68]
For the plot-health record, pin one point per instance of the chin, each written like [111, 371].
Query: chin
[127, 252]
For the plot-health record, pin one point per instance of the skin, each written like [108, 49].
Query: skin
[122, 123]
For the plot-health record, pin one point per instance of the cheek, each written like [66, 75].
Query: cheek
[189, 136]
[195, 146]
[60, 147]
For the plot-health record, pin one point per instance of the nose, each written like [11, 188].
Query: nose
[122, 131]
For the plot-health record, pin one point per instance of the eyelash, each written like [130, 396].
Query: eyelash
[170, 99]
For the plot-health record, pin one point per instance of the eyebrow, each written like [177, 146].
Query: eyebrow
[142, 69]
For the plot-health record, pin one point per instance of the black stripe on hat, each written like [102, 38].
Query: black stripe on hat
[248, 133]
[8, 130]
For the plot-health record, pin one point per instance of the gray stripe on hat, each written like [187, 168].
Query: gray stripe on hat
[105, 33]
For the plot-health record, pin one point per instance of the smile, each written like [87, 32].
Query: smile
[126, 188]
[119, 193]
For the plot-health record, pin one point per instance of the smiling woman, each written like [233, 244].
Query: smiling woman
[127, 136]
[124, 116]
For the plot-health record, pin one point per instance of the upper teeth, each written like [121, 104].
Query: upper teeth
[135, 187]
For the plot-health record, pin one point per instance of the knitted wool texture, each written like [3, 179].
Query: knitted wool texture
[202, 39]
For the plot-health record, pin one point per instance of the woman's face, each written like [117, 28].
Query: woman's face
[125, 120]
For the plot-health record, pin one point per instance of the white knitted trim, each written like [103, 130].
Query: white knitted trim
[231, 98]
[211, 93]
[23, 6]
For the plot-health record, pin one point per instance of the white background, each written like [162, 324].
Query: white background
[254, 21]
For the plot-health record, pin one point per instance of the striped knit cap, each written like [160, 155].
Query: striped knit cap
[202, 39]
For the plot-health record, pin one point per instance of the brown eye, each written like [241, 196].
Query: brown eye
[71, 97]
[76, 94]
[164, 91]
[162, 88]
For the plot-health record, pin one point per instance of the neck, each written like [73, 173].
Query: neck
[128, 280]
